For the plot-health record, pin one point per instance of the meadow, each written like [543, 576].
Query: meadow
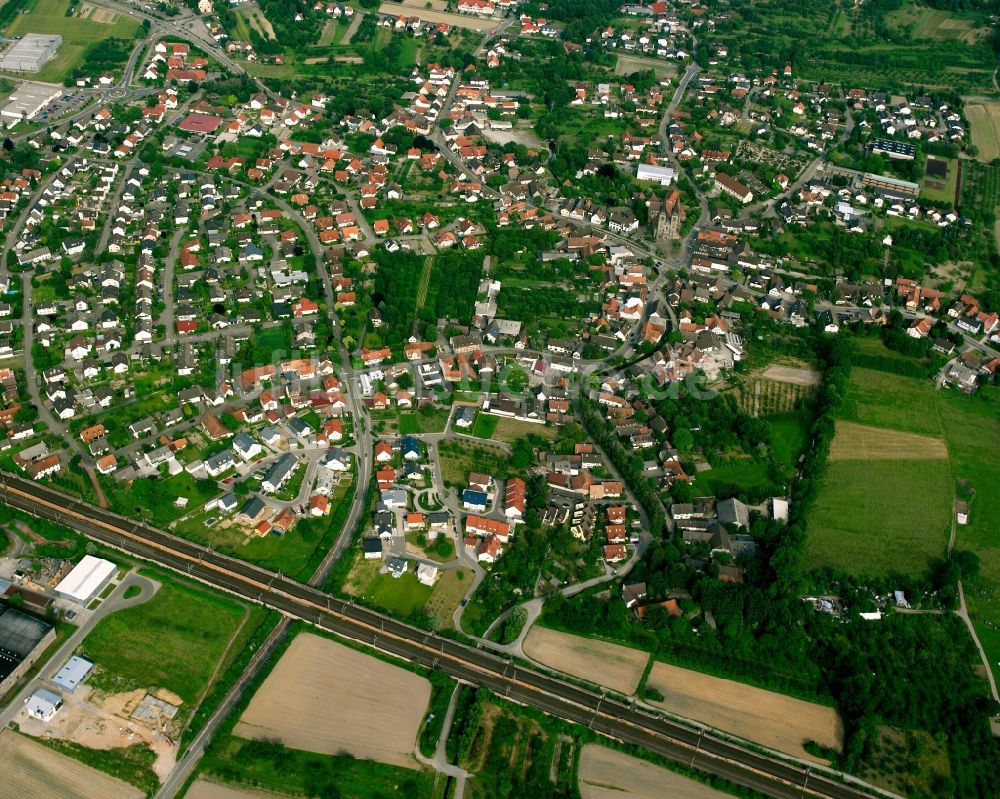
[176, 641]
[881, 516]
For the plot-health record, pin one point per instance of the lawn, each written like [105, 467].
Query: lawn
[746, 473]
[880, 517]
[154, 499]
[941, 190]
[789, 437]
[296, 553]
[406, 597]
[510, 430]
[176, 641]
[49, 16]
[458, 458]
[427, 420]
[485, 425]
[403, 596]
[881, 399]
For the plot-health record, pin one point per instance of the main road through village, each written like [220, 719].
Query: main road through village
[608, 715]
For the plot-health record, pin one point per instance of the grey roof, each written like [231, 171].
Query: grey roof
[73, 673]
[732, 511]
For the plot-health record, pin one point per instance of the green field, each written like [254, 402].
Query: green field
[880, 517]
[972, 430]
[78, 32]
[881, 399]
[877, 517]
[789, 436]
[176, 641]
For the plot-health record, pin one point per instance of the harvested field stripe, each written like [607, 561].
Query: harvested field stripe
[861, 442]
[766, 717]
[617, 667]
[327, 698]
[608, 774]
[29, 770]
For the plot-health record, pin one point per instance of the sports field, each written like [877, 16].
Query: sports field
[327, 698]
[90, 25]
[765, 717]
[609, 774]
[611, 665]
[29, 770]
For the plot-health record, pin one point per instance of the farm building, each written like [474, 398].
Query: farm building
[88, 578]
[30, 53]
[43, 705]
[73, 673]
[23, 638]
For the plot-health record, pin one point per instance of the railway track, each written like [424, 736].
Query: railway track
[610, 716]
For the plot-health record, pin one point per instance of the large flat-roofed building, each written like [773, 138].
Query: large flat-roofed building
[23, 638]
[30, 53]
[26, 101]
[73, 673]
[890, 185]
[88, 578]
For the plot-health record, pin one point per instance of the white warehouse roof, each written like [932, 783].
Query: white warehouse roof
[88, 577]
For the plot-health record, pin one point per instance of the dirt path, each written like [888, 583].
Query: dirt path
[102, 501]
[353, 27]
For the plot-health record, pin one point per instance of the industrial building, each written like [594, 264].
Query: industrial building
[88, 578]
[26, 101]
[43, 705]
[73, 673]
[23, 638]
[30, 53]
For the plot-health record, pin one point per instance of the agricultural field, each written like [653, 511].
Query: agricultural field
[377, 713]
[627, 64]
[258, 22]
[179, 640]
[921, 22]
[617, 667]
[609, 774]
[88, 26]
[30, 769]
[510, 430]
[860, 442]
[771, 719]
[984, 118]
[203, 789]
[762, 397]
[881, 517]
[880, 399]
